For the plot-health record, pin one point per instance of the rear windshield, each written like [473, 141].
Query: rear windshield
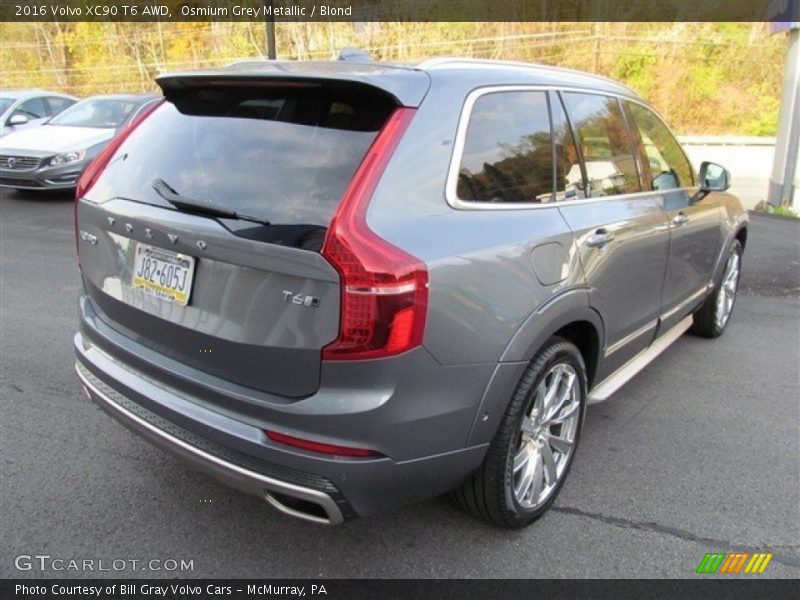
[283, 154]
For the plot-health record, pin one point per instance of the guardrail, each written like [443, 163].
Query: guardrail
[725, 140]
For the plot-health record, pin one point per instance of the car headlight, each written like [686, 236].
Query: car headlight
[67, 157]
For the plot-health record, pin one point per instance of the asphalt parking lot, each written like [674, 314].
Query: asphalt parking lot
[700, 453]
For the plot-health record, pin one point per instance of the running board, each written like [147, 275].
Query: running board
[626, 372]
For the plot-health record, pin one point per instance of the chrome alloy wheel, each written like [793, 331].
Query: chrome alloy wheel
[547, 436]
[727, 290]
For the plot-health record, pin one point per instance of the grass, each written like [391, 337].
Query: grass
[784, 211]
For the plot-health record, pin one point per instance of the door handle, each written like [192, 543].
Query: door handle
[680, 219]
[599, 238]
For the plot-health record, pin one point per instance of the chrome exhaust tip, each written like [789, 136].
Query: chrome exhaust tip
[316, 508]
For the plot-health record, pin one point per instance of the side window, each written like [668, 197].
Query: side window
[664, 165]
[58, 104]
[508, 153]
[569, 176]
[604, 142]
[33, 109]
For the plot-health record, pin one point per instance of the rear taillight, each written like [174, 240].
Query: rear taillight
[95, 168]
[92, 173]
[384, 289]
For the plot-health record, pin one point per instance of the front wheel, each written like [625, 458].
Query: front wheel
[712, 317]
[530, 456]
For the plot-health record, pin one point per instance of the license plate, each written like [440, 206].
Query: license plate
[163, 274]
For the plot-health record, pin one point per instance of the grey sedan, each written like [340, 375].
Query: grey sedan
[53, 156]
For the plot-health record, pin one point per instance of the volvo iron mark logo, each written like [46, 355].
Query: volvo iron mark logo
[11, 162]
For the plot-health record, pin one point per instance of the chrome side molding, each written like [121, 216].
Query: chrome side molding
[695, 297]
[603, 390]
[648, 328]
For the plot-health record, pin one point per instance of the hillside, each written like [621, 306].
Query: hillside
[705, 78]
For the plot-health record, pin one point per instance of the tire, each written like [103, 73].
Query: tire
[497, 492]
[714, 315]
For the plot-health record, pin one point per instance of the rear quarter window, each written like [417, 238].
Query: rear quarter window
[508, 152]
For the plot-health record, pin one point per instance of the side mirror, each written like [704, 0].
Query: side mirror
[713, 178]
[17, 120]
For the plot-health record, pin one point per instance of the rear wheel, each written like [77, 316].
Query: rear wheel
[710, 320]
[530, 456]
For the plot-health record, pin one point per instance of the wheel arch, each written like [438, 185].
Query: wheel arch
[567, 315]
[738, 234]
[741, 235]
[586, 338]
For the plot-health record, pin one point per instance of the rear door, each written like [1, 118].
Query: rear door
[247, 299]
[622, 233]
[694, 223]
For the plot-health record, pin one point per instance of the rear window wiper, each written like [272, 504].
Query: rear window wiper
[192, 205]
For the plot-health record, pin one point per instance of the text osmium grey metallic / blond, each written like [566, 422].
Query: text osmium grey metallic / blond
[267, 10]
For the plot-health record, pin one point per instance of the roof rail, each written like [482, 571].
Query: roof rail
[440, 61]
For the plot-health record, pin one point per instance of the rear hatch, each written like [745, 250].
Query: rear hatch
[201, 238]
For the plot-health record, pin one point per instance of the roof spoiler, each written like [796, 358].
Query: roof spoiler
[407, 86]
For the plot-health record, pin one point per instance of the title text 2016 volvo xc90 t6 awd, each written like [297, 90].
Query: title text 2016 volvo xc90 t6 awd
[345, 287]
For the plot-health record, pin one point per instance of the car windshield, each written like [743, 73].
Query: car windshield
[96, 112]
[5, 103]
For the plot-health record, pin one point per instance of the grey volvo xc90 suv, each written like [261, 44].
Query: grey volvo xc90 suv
[345, 287]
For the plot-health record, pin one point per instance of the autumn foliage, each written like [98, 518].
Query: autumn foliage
[704, 77]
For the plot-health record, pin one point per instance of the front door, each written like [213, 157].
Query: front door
[694, 222]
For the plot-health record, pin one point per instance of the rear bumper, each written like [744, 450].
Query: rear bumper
[236, 450]
[205, 457]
